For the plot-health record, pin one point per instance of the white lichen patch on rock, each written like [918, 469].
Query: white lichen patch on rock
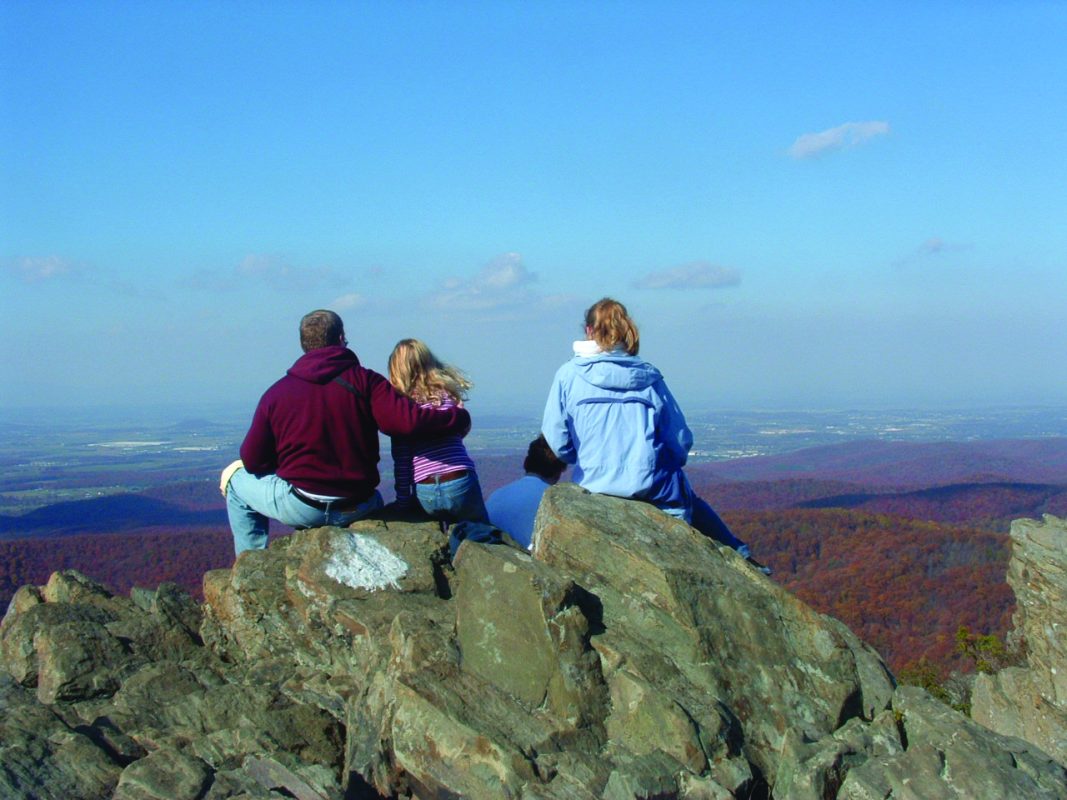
[362, 562]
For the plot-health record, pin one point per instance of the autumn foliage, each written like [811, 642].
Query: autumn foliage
[904, 585]
[120, 561]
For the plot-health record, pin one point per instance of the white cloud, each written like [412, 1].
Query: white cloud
[694, 275]
[844, 136]
[37, 269]
[503, 282]
[348, 301]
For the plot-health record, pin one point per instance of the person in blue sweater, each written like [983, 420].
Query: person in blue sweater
[611, 415]
[513, 507]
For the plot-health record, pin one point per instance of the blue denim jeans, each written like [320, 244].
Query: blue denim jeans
[698, 513]
[454, 500]
[252, 502]
[708, 523]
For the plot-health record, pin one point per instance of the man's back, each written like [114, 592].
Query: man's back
[315, 433]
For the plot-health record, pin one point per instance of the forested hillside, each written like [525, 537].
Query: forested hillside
[905, 586]
[145, 558]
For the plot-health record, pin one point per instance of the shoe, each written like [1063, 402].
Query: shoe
[758, 566]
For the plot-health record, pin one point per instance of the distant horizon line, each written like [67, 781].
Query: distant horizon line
[502, 410]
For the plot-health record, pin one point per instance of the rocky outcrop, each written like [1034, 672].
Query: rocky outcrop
[628, 657]
[1030, 701]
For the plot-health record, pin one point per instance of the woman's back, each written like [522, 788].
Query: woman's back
[437, 455]
[613, 416]
[439, 473]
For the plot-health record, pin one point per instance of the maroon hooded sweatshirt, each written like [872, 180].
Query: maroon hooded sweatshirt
[322, 438]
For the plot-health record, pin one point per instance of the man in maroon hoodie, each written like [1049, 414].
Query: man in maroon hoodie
[310, 457]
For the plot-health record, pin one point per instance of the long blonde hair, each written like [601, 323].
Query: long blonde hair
[609, 325]
[418, 373]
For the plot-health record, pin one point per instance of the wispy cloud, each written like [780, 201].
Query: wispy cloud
[694, 275]
[280, 274]
[38, 269]
[503, 289]
[934, 247]
[503, 282]
[56, 270]
[348, 301]
[265, 270]
[851, 134]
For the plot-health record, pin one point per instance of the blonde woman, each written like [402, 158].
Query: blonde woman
[438, 473]
[611, 415]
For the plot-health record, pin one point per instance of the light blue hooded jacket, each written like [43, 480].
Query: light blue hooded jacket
[613, 417]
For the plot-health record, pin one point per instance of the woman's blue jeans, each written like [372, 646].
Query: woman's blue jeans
[252, 502]
[709, 523]
[702, 516]
[454, 500]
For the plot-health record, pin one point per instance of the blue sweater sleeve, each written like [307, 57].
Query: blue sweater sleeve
[554, 422]
[673, 429]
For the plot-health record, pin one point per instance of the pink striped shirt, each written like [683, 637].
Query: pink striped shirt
[417, 459]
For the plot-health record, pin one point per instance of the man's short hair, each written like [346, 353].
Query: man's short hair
[540, 460]
[321, 329]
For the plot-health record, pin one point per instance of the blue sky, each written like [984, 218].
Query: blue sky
[803, 204]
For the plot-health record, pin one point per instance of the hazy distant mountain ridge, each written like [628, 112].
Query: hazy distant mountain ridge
[906, 464]
[112, 513]
[865, 474]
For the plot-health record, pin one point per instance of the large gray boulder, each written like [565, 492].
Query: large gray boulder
[680, 619]
[626, 657]
[1030, 701]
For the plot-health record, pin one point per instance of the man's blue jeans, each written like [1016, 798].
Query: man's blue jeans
[454, 500]
[252, 502]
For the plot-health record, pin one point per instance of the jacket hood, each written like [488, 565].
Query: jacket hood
[617, 371]
[323, 364]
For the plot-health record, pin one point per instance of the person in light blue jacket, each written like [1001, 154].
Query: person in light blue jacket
[611, 415]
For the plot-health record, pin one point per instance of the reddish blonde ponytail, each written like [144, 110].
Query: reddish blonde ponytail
[610, 326]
